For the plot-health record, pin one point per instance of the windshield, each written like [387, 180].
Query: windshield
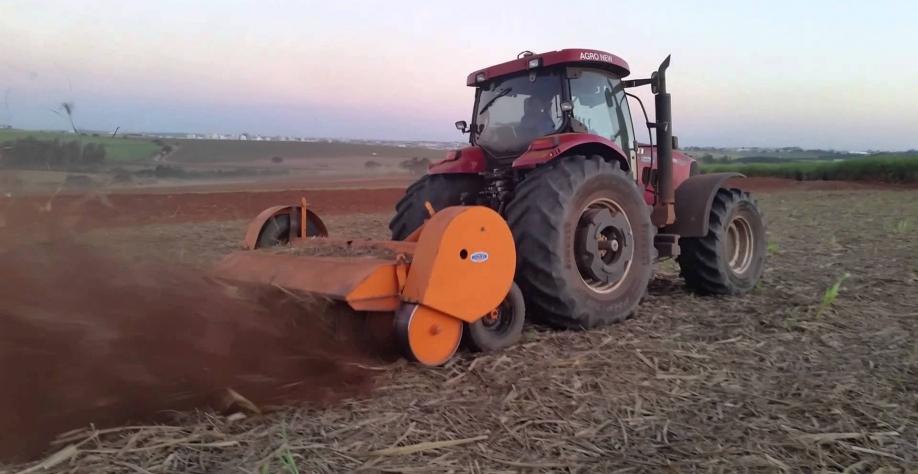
[514, 111]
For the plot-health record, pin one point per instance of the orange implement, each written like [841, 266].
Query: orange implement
[460, 268]
[365, 284]
[463, 264]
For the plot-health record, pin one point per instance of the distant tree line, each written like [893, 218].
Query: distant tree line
[31, 152]
[779, 159]
[884, 167]
[415, 165]
[175, 172]
[709, 158]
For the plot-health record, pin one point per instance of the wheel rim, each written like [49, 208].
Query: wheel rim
[500, 319]
[603, 245]
[740, 244]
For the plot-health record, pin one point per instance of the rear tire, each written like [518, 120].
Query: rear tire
[441, 190]
[731, 258]
[552, 216]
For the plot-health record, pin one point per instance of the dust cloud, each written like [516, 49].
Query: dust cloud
[87, 338]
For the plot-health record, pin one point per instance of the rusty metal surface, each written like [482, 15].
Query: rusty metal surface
[693, 203]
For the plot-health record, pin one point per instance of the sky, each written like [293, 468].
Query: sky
[811, 73]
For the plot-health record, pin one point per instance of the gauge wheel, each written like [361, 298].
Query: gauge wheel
[276, 230]
[499, 329]
[425, 335]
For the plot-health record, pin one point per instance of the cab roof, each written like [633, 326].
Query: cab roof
[574, 57]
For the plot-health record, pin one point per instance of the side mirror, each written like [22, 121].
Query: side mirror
[675, 143]
[462, 126]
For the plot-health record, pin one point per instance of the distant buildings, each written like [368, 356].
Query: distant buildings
[247, 136]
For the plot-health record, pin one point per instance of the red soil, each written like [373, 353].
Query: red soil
[107, 210]
[137, 208]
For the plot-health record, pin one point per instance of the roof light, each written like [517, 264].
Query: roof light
[480, 77]
[535, 62]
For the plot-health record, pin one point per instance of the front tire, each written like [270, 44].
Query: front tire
[440, 190]
[731, 258]
[584, 242]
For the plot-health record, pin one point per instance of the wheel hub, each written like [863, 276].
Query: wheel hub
[498, 319]
[493, 317]
[603, 246]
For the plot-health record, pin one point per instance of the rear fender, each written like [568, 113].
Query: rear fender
[295, 212]
[545, 149]
[468, 160]
[694, 198]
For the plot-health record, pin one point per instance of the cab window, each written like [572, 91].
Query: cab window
[600, 106]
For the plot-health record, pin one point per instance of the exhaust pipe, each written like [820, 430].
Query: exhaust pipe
[665, 213]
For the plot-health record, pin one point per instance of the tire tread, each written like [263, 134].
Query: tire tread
[533, 218]
[700, 258]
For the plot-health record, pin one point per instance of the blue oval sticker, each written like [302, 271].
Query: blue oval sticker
[479, 257]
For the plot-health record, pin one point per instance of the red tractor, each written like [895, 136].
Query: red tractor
[552, 148]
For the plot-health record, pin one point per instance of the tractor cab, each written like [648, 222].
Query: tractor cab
[579, 91]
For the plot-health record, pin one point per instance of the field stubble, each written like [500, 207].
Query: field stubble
[765, 382]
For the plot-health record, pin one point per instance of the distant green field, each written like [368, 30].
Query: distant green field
[890, 168]
[116, 149]
[730, 154]
[211, 151]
